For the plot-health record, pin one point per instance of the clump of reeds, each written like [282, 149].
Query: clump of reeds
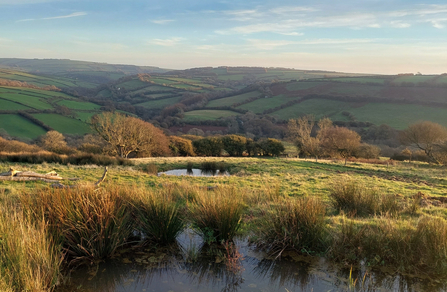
[150, 168]
[217, 214]
[88, 223]
[388, 242]
[158, 216]
[296, 224]
[357, 200]
[29, 258]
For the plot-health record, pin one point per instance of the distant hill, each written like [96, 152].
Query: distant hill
[92, 72]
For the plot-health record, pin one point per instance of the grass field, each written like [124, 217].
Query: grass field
[79, 105]
[160, 103]
[28, 100]
[85, 116]
[132, 84]
[228, 101]
[260, 105]
[9, 105]
[64, 124]
[208, 115]
[317, 107]
[263, 196]
[18, 126]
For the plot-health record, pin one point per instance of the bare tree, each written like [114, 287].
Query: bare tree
[126, 135]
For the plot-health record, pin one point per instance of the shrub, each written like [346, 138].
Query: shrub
[217, 215]
[298, 224]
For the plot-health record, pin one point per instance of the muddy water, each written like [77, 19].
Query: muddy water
[191, 266]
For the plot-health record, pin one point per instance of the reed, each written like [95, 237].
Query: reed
[88, 223]
[29, 258]
[296, 224]
[158, 215]
[217, 214]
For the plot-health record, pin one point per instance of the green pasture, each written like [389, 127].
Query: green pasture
[82, 105]
[85, 116]
[204, 115]
[228, 101]
[413, 79]
[260, 105]
[30, 101]
[441, 80]
[11, 106]
[160, 103]
[163, 81]
[63, 124]
[152, 88]
[18, 126]
[316, 107]
[372, 79]
[295, 86]
[104, 93]
[132, 84]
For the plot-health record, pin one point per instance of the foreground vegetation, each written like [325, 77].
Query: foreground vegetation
[384, 215]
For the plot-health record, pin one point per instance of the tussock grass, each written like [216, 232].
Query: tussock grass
[357, 200]
[394, 243]
[158, 215]
[217, 215]
[88, 223]
[29, 258]
[297, 224]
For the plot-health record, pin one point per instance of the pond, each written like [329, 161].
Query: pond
[192, 266]
[194, 172]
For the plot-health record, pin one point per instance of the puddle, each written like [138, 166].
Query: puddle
[192, 266]
[194, 172]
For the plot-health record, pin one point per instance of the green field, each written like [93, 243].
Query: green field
[23, 98]
[413, 79]
[260, 105]
[160, 103]
[79, 105]
[85, 116]
[132, 84]
[398, 116]
[64, 124]
[203, 115]
[9, 105]
[18, 126]
[294, 86]
[228, 101]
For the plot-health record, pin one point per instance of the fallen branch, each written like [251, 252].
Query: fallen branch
[62, 186]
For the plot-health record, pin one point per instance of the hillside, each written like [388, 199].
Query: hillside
[89, 72]
[28, 112]
[394, 100]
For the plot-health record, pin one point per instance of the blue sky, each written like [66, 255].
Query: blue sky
[370, 36]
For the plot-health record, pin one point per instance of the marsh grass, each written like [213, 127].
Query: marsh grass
[29, 259]
[88, 223]
[393, 243]
[298, 224]
[158, 215]
[217, 215]
[356, 200]
[150, 168]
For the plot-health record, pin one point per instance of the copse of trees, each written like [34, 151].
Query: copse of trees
[329, 140]
[429, 137]
[234, 145]
[181, 147]
[128, 135]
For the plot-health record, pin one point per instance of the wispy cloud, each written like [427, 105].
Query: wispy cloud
[166, 42]
[162, 21]
[287, 19]
[75, 14]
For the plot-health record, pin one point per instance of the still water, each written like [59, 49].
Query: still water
[192, 266]
[194, 172]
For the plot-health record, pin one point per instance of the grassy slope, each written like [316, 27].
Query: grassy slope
[228, 101]
[207, 115]
[64, 124]
[18, 126]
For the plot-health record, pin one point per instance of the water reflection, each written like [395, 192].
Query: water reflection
[195, 172]
[193, 266]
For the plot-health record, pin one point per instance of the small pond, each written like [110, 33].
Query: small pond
[192, 266]
[194, 172]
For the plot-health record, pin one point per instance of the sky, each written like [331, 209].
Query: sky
[361, 36]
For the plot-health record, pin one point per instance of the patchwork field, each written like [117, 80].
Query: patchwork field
[208, 115]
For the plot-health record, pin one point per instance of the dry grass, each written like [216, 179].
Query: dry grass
[29, 258]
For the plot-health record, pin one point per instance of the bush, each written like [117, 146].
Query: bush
[299, 225]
